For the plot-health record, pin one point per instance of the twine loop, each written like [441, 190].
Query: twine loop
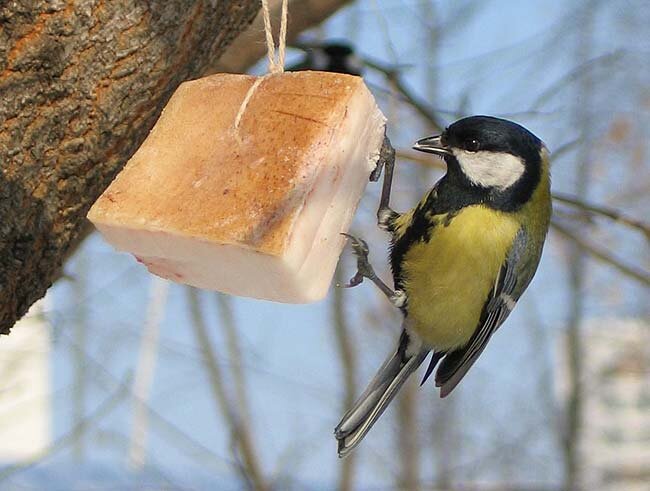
[276, 62]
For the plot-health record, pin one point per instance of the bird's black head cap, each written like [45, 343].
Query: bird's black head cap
[492, 134]
[489, 160]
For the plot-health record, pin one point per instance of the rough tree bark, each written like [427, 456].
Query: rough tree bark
[81, 83]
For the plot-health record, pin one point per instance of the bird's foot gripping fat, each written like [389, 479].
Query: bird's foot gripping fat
[386, 159]
[365, 270]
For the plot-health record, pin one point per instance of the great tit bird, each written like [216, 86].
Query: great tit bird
[460, 259]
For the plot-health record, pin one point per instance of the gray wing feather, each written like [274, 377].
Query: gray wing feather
[516, 272]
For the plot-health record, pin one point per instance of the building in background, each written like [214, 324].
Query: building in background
[25, 389]
[615, 441]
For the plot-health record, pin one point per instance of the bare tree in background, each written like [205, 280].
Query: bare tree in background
[436, 446]
[576, 258]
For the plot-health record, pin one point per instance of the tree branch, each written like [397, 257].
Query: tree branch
[79, 429]
[348, 361]
[236, 356]
[393, 76]
[602, 255]
[603, 211]
[251, 468]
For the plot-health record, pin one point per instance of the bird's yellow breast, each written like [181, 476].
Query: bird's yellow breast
[447, 279]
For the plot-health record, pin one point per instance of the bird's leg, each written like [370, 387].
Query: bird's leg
[365, 270]
[385, 214]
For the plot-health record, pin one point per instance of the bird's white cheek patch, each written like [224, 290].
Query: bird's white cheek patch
[490, 169]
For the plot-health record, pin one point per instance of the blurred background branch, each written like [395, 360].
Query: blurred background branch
[599, 253]
[242, 439]
[347, 355]
[267, 371]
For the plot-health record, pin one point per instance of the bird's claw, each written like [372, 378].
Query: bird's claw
[376, 173]
[359, 246]
[357, 279]
[386, 154]
[364, 269]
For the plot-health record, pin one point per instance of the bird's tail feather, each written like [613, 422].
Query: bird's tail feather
[380, 392]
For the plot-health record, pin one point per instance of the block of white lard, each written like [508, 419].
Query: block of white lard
[254, 210]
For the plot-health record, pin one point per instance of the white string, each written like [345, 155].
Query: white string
[282, 42]
[276, 64]
[270, 43]
[244, 104]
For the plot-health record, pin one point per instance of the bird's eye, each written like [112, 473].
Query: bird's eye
[472, 145]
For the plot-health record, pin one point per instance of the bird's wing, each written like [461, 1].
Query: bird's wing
[514, 276]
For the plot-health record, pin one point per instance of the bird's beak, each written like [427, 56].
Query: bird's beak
[432, 144]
